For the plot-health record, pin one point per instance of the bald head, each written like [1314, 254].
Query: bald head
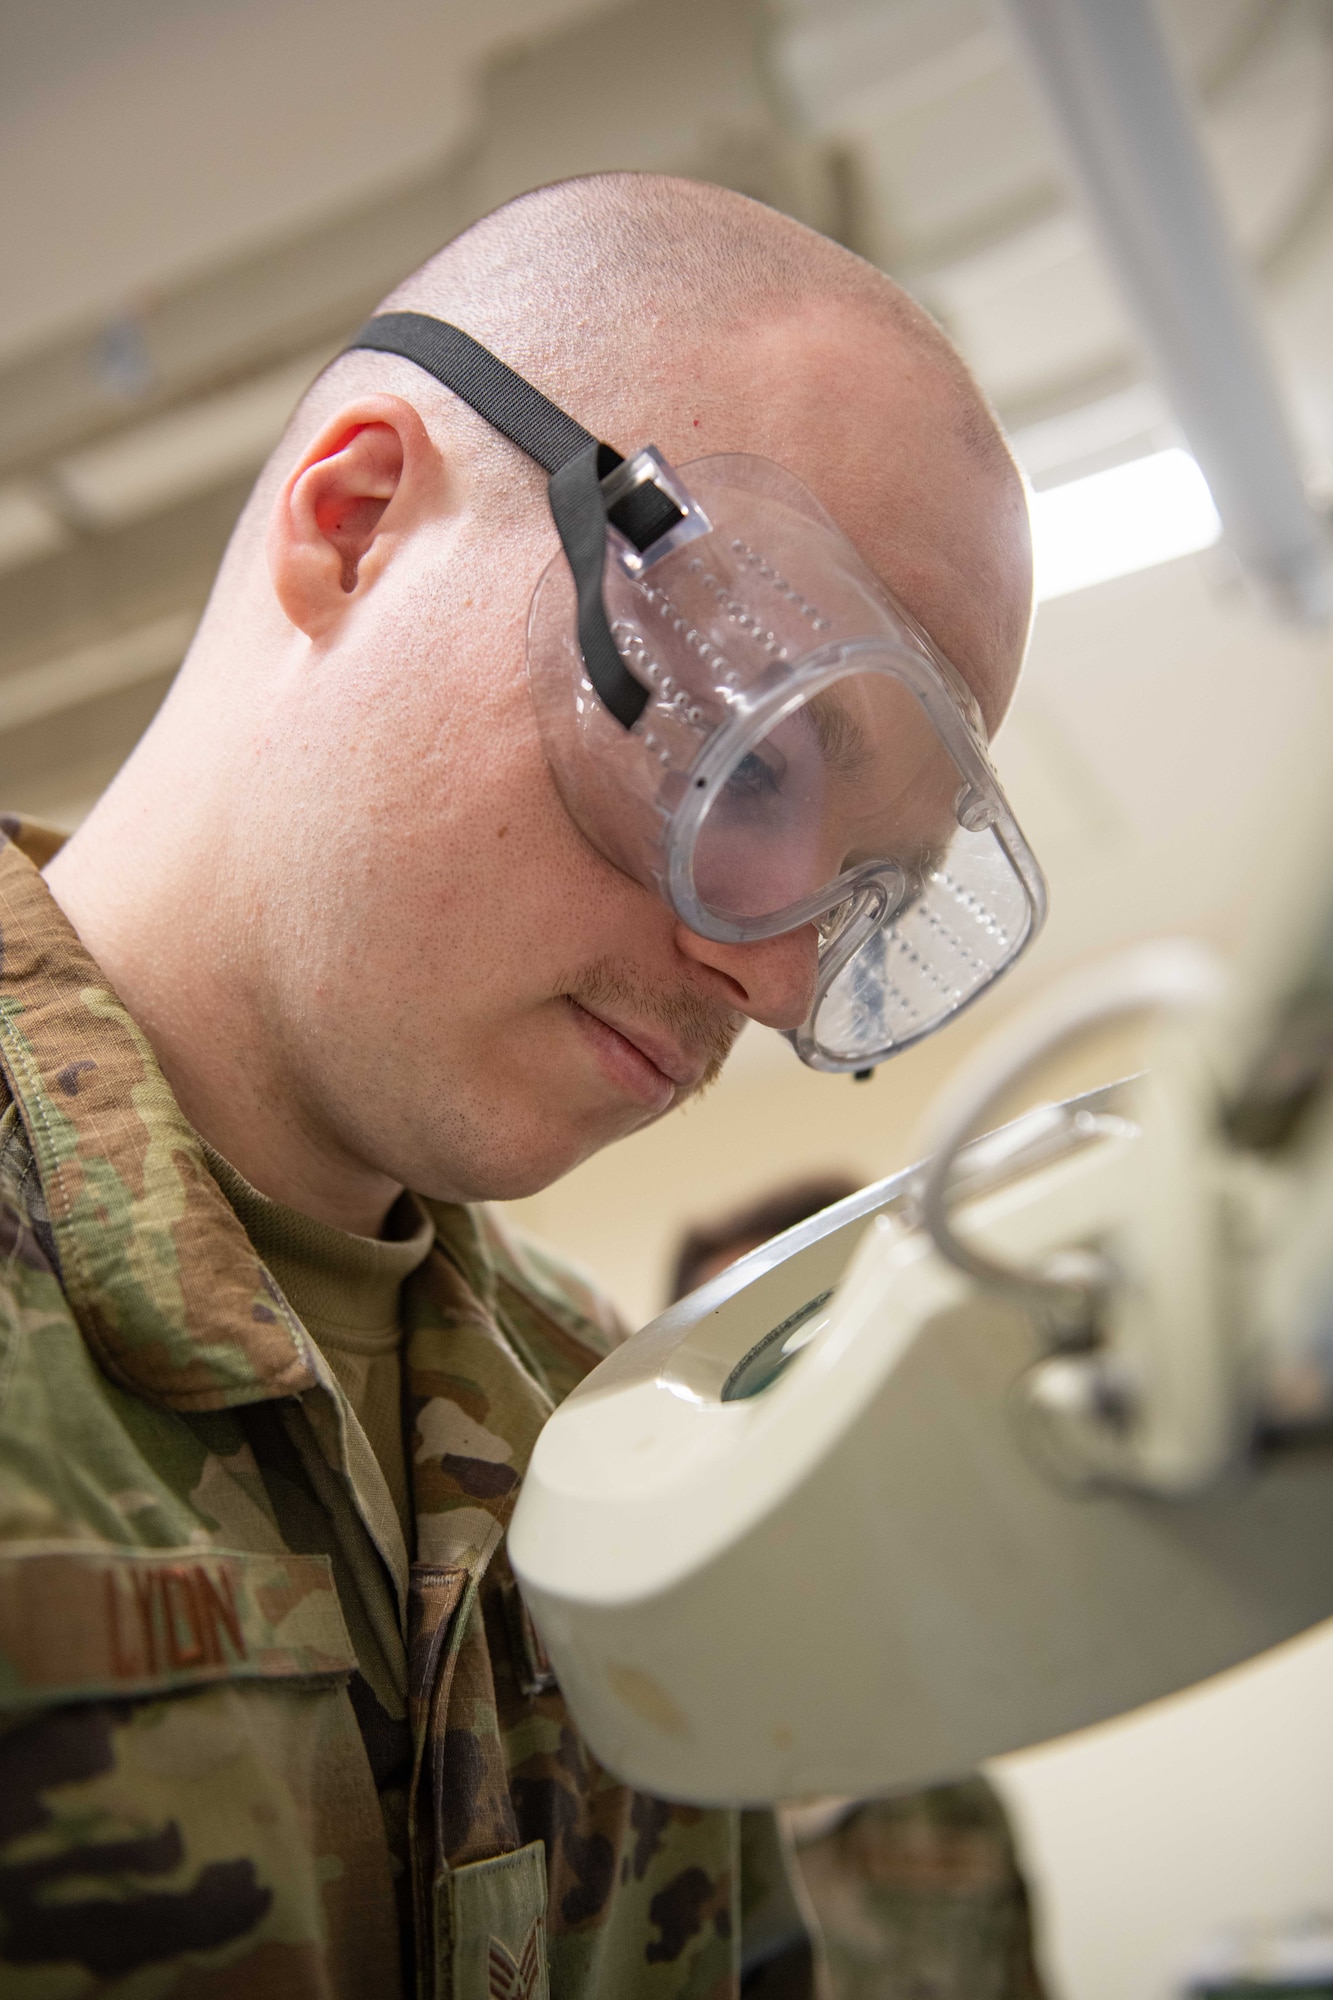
[628, 267]
[682, 314]
[336, 883]
[597, 287]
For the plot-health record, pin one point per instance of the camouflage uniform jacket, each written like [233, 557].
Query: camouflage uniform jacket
[245, 1747]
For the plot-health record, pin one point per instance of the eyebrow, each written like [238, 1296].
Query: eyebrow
[841, 740]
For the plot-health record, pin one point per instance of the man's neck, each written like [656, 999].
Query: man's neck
[175, 966]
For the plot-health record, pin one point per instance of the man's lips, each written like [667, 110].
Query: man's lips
[662, 1067]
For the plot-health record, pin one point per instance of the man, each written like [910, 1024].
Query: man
[330, 961]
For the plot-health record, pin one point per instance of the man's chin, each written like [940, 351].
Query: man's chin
[551, 1163]
[563, 1147]
[535, 1160]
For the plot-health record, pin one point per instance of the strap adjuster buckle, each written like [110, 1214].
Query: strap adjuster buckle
[650, 510]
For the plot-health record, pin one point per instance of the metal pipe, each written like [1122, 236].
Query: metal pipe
[1107, 77]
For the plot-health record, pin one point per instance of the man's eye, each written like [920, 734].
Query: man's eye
[753, 778]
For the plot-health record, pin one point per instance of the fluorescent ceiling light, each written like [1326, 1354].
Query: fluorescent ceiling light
[1112, 523]
[185, 451]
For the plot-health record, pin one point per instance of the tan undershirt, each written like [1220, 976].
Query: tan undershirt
[345, 1291]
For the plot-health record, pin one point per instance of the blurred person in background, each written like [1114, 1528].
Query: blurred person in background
[919, 1896]
[330, 965]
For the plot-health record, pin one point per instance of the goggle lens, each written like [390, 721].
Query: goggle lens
[853, 774]
[969, 917]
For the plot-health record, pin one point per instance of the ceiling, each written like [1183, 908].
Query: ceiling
[215, 194]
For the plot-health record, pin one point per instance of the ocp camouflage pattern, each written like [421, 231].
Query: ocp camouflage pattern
[246, 1747]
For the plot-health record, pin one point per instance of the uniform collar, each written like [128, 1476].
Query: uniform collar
[166, 1286]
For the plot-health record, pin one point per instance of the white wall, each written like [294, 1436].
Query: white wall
[1201, 1813]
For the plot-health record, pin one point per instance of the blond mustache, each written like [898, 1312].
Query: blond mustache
[701, 1029]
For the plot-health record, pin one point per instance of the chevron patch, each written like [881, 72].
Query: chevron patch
[515, 1979]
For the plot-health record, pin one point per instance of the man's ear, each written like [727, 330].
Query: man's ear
[370, 474]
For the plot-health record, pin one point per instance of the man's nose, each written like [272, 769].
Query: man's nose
[772, 980]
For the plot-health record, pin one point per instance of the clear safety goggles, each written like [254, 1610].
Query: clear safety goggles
[740, 716]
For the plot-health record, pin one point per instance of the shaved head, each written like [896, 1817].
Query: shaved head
[336, 884]
[634, 271]
[682, 314]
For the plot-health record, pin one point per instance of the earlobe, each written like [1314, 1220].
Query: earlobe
[359, 484]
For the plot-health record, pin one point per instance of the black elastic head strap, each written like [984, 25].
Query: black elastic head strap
[577, 464]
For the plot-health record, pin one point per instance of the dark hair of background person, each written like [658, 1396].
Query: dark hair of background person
[709, 1247]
